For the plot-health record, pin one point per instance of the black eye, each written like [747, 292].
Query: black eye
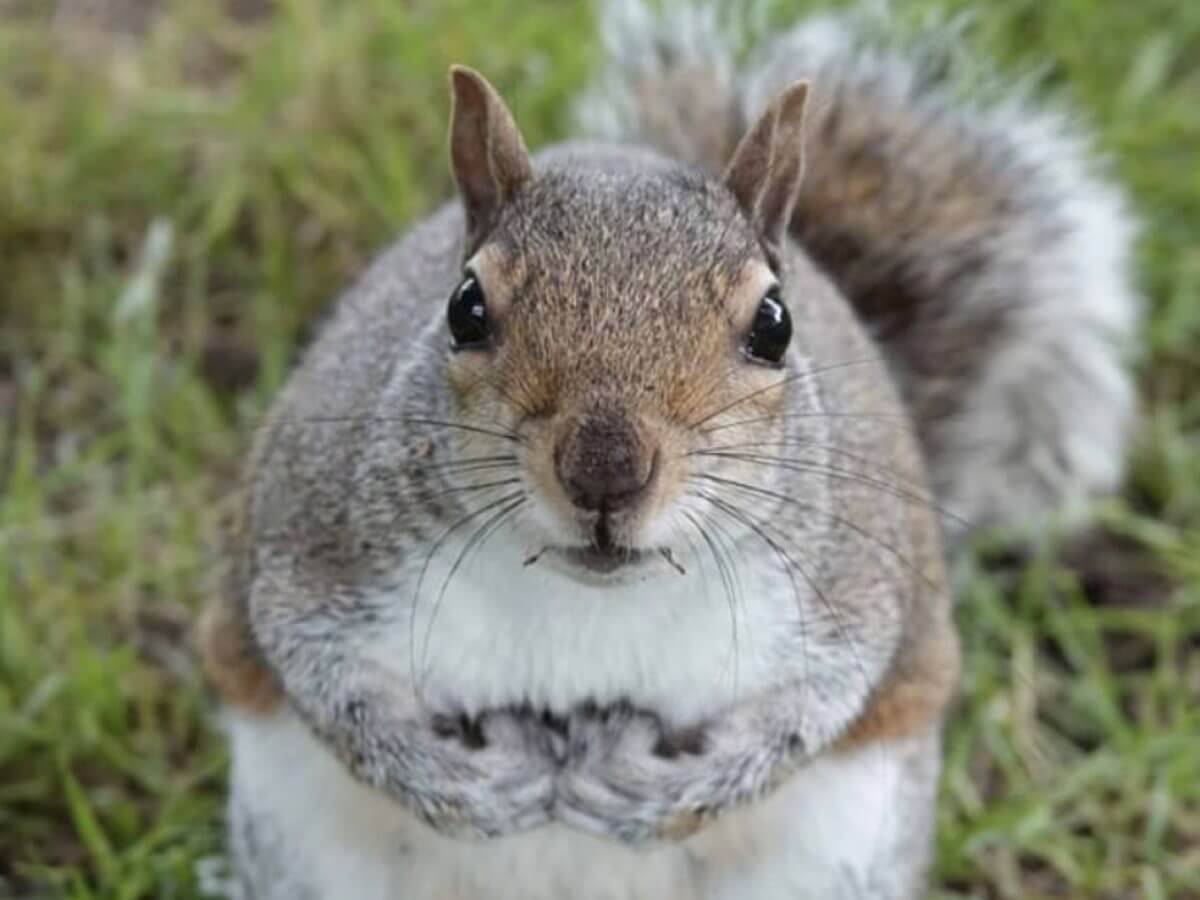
[772, 329]
[466, 314]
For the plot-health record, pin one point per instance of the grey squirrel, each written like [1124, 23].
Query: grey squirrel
[595, 549]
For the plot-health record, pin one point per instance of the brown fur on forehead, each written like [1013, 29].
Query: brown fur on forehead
[625, 282]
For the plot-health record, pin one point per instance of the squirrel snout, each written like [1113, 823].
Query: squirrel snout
[603, 464]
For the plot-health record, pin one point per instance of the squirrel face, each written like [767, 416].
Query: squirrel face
[610, 313]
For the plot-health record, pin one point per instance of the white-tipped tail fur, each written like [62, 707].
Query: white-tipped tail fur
[668, 80]
[968, 225]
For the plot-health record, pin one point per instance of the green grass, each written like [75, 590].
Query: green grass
[174, 215]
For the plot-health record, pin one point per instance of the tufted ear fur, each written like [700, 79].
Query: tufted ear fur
[768, 164]
[487, 153]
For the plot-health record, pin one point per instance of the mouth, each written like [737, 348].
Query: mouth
[604, 560]
[601, 556]
[604, 556]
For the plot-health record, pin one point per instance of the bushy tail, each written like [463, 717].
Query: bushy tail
[966, 224]
[668, 80]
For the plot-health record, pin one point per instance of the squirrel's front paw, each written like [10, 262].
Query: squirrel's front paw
[626, 779]
[488, 777]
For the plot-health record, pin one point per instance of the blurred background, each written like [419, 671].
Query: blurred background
[184, 186]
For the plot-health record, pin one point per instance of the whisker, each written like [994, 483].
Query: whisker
[727, 582]
[840, 520]
[437, 545]
[500, 432]
[795, 376]
[901, 420]
[506, 434]
[472, 460]
[471, 488]
[835, 449]
[730, 544]
[477, 539]
[838, 474]
[791, 566]
[473, 468]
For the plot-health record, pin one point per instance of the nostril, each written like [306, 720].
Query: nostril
[586, 493]
[604, 467]
[609, 488]
[594, 494]
[603, 462]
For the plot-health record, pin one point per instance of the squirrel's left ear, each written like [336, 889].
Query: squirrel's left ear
[768, 164]
[487, 152]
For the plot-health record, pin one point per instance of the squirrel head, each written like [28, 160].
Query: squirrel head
[614, 307]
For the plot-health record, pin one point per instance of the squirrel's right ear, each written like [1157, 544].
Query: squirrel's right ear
[487, 152]
[768, 164]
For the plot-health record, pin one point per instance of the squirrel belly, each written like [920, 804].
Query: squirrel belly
[855, 825]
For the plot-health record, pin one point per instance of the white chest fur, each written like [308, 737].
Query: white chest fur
[682, 644]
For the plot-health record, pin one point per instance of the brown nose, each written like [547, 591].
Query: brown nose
[603, 464]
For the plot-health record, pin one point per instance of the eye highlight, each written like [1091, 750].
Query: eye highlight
[771, 331]
[466, 314]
